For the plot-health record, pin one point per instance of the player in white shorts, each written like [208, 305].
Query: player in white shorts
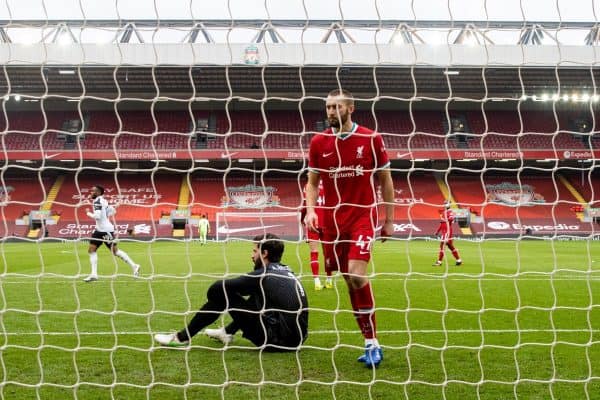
[104, 233]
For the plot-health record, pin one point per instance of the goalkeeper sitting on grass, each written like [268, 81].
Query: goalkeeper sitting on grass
[268, 304]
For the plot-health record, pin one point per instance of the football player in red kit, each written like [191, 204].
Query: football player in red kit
[446, 238]
[314, 238]
[348, 159]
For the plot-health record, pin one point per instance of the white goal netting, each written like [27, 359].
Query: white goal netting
[190, 110]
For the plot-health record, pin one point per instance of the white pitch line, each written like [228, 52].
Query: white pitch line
[193, 280]
[321, 332]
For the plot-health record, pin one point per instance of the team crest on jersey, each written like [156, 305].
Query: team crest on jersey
[359, 151]
[513, 194]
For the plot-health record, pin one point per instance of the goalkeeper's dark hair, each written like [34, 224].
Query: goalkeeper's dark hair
[100, 189]
[346, 94]
[271, 243]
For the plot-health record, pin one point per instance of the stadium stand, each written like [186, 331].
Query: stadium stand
[526, 200]
[292, 130]
[25, 193]
[418, 197]
[140, 199]
[208, 194]
[588, 188]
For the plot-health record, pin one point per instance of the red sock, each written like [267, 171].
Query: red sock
[441, 255]
[364, 311]
[314, 263]
[455, 254]
[454, 251]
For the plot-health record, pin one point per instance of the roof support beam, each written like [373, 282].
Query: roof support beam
[192, 35]
[340, 33]
[267, 27]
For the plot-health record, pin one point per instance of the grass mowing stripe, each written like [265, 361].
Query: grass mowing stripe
[525, 313]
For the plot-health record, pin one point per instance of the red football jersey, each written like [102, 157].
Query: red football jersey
[446, 221]
[319, 209]
[346, 164]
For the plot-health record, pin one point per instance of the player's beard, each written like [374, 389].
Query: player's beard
[258, 263]
[339, 120]
[94, 195]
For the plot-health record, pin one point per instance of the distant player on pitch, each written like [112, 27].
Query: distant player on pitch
[347, 158]
[104, 233]
[314, 238]
[203, 228]
[446, 236]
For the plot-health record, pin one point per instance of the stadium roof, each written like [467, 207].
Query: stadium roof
[66, 61]
[432, 32]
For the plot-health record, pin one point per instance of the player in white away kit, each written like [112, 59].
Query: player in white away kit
[104, 233]
[203, 228]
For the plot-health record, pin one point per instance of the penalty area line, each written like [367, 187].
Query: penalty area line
[413, 278]
[320, 332]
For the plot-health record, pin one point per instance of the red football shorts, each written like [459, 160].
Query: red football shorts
[353, 243]
[313, 236]
[446, 237]
[447, 242]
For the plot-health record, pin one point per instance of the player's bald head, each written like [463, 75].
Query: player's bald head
[341, 95]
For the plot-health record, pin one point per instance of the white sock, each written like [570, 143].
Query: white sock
[123, 256]
[317, 280]
[94, 263]
[374, 342]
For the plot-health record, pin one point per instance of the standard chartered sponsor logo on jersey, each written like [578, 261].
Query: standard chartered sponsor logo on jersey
[346, 171]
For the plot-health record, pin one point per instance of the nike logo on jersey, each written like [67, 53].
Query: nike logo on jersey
[362, 252]
[325, 155]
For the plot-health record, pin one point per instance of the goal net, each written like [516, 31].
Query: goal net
[185, 110]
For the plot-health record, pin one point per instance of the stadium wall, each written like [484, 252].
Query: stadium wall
[296, 54]
[499, 205]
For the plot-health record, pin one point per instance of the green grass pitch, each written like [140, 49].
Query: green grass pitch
[519, 319]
